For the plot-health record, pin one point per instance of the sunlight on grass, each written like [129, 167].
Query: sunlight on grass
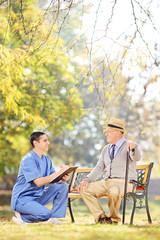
[83, 228]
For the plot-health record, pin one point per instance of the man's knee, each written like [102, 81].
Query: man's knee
[114, 192]
[44, 215]
[82, 192]
[86, 192]
[61, 187]
[65, 187]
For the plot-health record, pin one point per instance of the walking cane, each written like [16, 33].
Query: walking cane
[125, 188]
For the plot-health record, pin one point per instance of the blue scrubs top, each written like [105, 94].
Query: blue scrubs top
[31, 167]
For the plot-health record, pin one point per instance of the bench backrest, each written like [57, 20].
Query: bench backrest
[143, 176]
[77, 177]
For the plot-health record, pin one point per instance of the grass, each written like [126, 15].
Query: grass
[84, 227]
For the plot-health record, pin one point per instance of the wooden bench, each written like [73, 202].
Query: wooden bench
[139, 193]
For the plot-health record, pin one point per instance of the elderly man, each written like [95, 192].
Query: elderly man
[113, 159]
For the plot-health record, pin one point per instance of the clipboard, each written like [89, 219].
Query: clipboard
[58, 178]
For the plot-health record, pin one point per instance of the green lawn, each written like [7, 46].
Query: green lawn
[84, 227]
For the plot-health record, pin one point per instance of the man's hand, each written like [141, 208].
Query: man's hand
[131, 146]
[66, 177]
[84, 183]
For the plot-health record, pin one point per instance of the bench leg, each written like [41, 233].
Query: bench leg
[70, 210]
[133, 211]
[147, 209]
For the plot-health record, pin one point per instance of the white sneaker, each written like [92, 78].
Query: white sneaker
[18, 218]
[54, 221]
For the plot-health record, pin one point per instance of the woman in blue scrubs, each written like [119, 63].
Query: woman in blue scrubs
[30, 193]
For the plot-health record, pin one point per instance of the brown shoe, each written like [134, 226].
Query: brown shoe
[108, 220]
[105, 220]
[114, 222]
[102, 220]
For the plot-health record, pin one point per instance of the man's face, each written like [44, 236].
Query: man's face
[43, 143]
[113, 136]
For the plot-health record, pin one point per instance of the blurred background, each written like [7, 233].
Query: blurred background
[66, 68]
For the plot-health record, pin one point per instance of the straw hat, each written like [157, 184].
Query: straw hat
[117, 124]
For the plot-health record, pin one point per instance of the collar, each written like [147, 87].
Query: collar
[119, 143]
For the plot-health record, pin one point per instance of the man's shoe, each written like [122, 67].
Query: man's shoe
[114, 222]
[108, 220]
[54, 221]
[18, 219]
[105, 220]
[102, 220]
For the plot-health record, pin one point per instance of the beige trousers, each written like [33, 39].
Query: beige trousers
[113, 188]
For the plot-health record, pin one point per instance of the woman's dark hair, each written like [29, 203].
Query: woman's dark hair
[35, 137]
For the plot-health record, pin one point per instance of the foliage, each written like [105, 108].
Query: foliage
[116, 62]
[88, 135]
[34, 78]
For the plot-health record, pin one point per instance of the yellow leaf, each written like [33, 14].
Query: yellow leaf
[154, 79]
[99, 79]
[97, 71]
[106, 121]
[91, 88]
[157, 197]
[143, 132]
[108, 95]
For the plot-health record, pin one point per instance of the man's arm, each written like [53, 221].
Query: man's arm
[134, 151]
[41, 181]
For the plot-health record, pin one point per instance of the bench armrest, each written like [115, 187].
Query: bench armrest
[136, 183]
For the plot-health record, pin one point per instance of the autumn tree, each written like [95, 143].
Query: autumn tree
[118, 67]
[34, 77]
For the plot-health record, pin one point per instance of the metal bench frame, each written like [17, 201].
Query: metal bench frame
[140, 190]
[139, 193]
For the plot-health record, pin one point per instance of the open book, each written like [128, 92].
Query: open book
[59, 177]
